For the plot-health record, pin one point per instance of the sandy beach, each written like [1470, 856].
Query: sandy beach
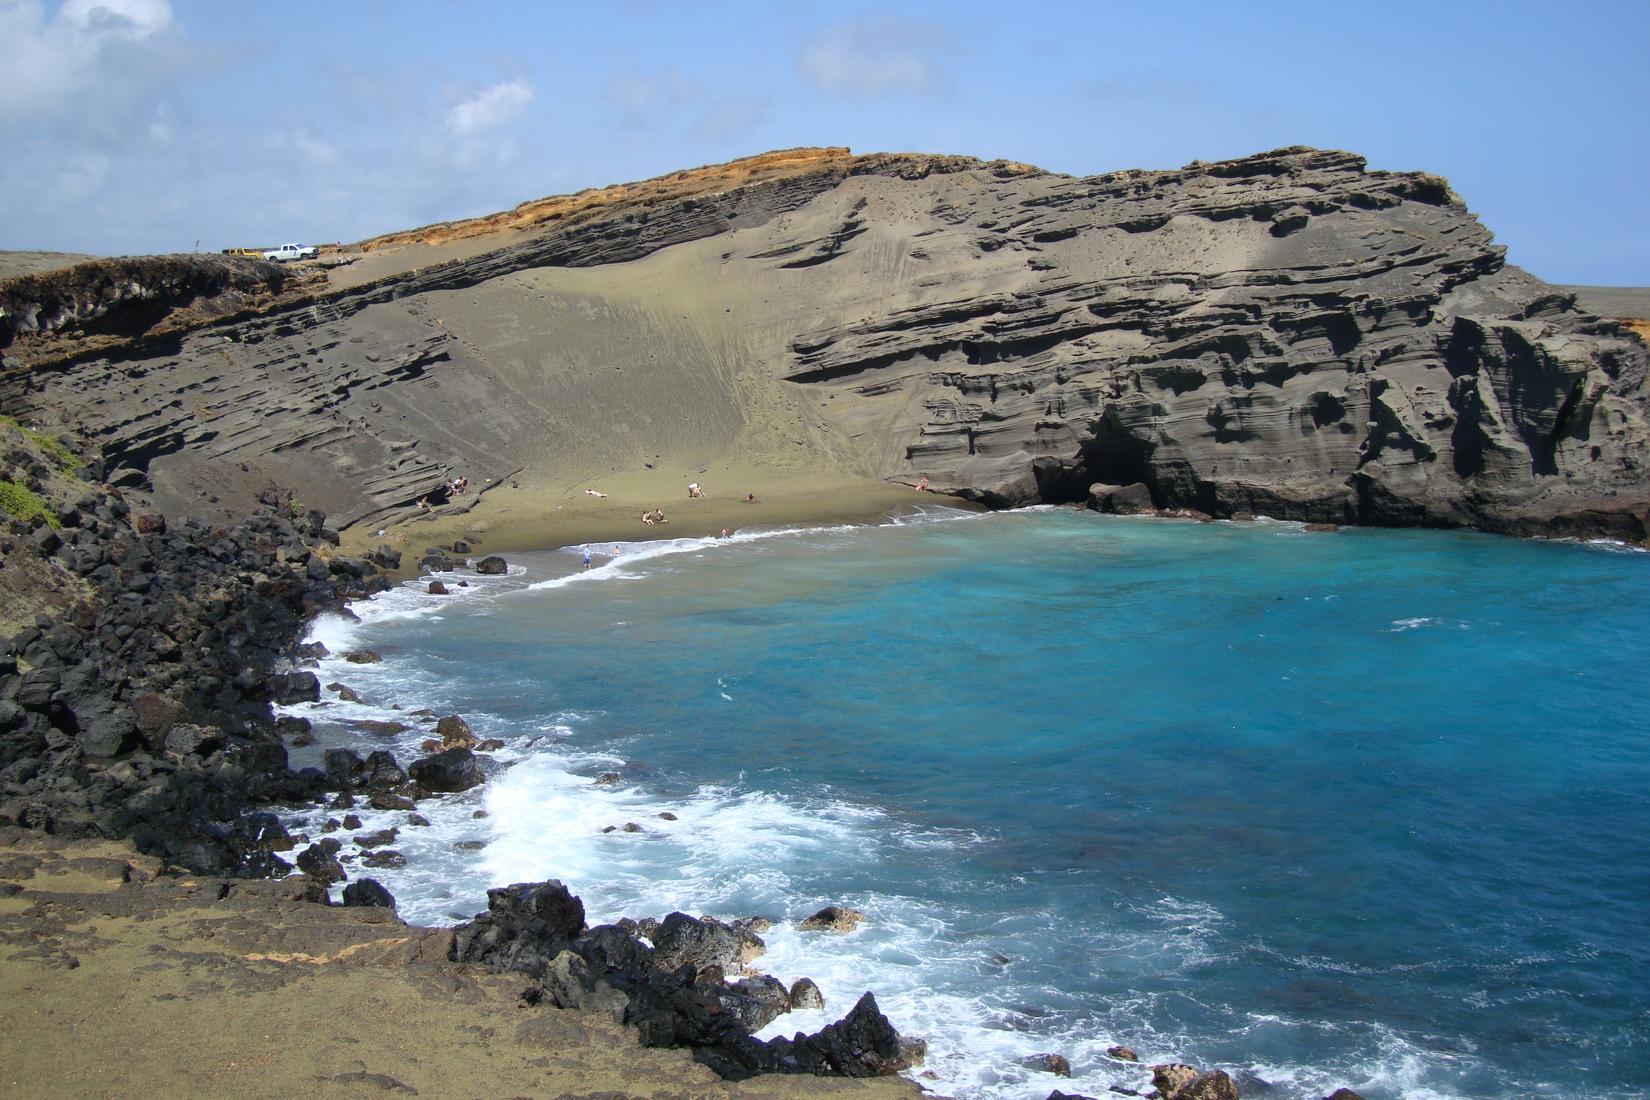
[512, 519]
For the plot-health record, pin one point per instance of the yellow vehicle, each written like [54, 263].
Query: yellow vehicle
[251, 252]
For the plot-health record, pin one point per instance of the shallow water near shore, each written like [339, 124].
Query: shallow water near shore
[1362, 809]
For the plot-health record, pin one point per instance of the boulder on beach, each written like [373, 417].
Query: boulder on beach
[806, 996]
[320, 861]
[437, 589]
[156, 715]
[1056, 1064]
[1178, 1081]
[369, 893]
[295, 687]
[455, 732]
[1121, 500]
[378, 726]
[382, 772]
[1170, 1077]
[448, 771]
[525, 927]
[833, 918]
[755, 1002]
[345, 693]
[389, 800]
[702, 943]
[383, 838]
[492, 566]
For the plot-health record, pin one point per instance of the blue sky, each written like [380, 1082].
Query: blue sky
[147, 125]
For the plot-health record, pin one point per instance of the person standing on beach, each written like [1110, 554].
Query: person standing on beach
[587, 557]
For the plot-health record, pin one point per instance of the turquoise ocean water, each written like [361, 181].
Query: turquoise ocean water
[1364, 809]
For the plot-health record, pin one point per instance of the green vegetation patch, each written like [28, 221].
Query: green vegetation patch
[52, 448]
[25, 503]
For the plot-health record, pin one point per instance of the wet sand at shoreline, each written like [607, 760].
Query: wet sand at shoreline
[505, 519]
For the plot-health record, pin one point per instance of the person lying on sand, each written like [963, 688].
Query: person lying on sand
[694, 490]
[647, 518]
[595, 493]
[750, 498]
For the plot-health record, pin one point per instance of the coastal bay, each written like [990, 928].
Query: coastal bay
[1140, 733]
[1262, 798]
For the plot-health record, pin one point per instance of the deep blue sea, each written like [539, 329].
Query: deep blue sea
[1363, 809]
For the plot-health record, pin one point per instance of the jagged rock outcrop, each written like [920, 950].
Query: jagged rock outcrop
[675, 991]
[1288, 333]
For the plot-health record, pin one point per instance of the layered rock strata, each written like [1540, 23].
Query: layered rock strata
[1288, 333]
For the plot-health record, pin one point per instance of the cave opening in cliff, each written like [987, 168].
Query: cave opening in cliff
[1113, 455]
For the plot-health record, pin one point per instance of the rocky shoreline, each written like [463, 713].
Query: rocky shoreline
[144, 711]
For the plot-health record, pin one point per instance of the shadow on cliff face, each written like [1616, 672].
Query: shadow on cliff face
[1113, 455]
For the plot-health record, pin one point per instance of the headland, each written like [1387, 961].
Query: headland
[1288, 334]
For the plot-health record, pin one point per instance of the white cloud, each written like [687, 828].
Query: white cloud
[489, 107]
[123, 18]
[875, 56]
[44, 64]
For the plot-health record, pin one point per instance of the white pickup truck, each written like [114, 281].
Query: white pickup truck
[290, 252]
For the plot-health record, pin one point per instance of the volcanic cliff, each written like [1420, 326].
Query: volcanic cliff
[1288, 333]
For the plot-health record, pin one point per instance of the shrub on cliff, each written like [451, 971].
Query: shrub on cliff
[25, 504]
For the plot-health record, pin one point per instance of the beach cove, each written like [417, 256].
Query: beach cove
[1266, 886]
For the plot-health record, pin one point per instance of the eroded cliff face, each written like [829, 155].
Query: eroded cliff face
[1288, 334]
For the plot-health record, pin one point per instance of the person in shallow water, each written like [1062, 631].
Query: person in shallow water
[587, 557]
